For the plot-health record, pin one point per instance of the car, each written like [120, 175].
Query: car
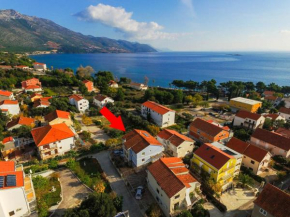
[118, 152]
[139, 192]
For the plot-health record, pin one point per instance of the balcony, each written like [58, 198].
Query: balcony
[51, 148]
[226, 177]
[227, 169]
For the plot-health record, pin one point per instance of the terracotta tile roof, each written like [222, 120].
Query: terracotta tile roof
[51, 133]
[35, 94]
[112, 82]
[7, 139]
[205, 126]
[36, 63]
[171, 175]
[213, 155]
[245, 114]
[9, 102]
[56, 114]
[272, 116]
[137, 140]
[7, 166]
[272, 138]
[41, 102]
[283, 132]
[5, 67]
[22, 121]
[157, 107]
[87, 81]
[284, 110]
[5, 93]
[174, 137]
[271, 98]
[249, 150]
[100, 97]
[32, 87]
[274, 201]
[76, 97]
[267, 92]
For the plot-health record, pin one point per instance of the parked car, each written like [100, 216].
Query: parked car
[118, 152]
[139, 192]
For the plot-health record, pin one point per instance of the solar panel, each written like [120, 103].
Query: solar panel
[146, 134]
[1, 181]
[11, 180]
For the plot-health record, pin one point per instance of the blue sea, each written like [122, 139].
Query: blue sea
[164, 67]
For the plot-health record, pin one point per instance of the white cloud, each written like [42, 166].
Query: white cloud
[121, 20]
[189, 5]
[285, 32]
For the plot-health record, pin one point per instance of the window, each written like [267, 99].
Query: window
[263, 212]
[143, 159]
[252, 162]
[143, 153]
[11, 213]
[176, 206]
[177, 196]
[157, 190]
[198, 131]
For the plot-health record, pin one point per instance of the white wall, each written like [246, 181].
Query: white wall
[238, 121]
[286, 116]
[13, 109]
[103, 103]
[144, 156]
[33, 90]
[164, 120]
[81, 105]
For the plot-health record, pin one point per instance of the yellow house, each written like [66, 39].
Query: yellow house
[240, 103]
[221, 163]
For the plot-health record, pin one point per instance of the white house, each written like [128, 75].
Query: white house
[175, 143]
[4, 94]
[287, 102]
[113, 84]
[10, 106]
[16, 191]
[53, 140]
[274, 117]
[138, 86]
[248, 120]
[32, 88]
[285, 113]
[140, 148]
[161, 115]
[102, 100]
[79, 102]
[39, 66]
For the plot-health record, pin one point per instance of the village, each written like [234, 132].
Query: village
[185, 152]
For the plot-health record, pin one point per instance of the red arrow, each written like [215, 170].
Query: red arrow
[116, 122]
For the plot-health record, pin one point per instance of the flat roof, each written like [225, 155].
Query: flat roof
[245, 100]
[227, 150]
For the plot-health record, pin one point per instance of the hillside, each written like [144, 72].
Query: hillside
[22, 33]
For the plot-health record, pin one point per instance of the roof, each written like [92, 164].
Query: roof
[5, 67]
[36, 63]
[51, 133]
[100, 97]
[8, 168]
[213, 155]
[87, 81]
[21, 66]
[274, 201]
[32, 87]
[5, 93]
[31, 79]
[245, 100]
[171, 175]
[138, 140]
[284, 110]
[41, 101]
[136, 84]
[20, 120]
[174, 137]
[267, 92]
[76, 97]
[56, 114]
[272, 116]
[7, 139]
[207, 127]
[245, 114]
[283, 132]
[112, 82]
[272, 98]
[9, 102]
[249, 150]
[36, 94]
[157, 107]
[272, 138]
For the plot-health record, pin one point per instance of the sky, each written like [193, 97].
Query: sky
[177, 25]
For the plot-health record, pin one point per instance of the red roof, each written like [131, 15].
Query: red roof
[171, 175]
[8, 168]
[76, 97]
[274, 201]
[51, 133]
[207, 127]
[283, 132]
[174, 137]
[9, 102]
[32, 87]
[272, 116]
[100, 97]
[57, 114]
[41, 101]
[5, 93]
[87, 81]
[245, 114]
[157, 107]
[272, 138]
[213, 155]
[267, 92]
[35, 94]
[36, 63]
[138, 140]
[271, 98]
[249, 150]
[22, 121]
[284, 110]
[7, 139]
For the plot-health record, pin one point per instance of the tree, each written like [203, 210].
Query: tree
[268, 124]
[83, 72]
[245, 179]
[113, 142]
[178, 96]
[153, 129]
[100, 187]
[188, 99]
[185, 213]
[120, 96]
[82, 88]
[86, 135]
[242, 134]
[86, 120]
[154, 211]
[124, 80]
[260, 87]
[204, 104]
[215, 185]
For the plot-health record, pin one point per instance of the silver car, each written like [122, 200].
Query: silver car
[139, 192]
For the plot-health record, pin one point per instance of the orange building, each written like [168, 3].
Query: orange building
[30, 82]
[208, 131]
[89, 85]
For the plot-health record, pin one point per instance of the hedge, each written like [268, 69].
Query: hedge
[252, 175]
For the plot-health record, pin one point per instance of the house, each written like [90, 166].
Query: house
[284, 132]
[221, 163]
[267, 93]
[175, 143]
[275, 100]
[255, 158]
[140, 148]
[240, 103]
[171, 184]
[271, 202]
[10, 106]
[31, 82]
[6, 95]
[23, 67]
[138, 86]
[42, 102]
[208, 131]
[275, 143]
[287, 102]
[284, 112]
[17, 196]
[39, 66]
[102, 100]
[53, 140]
[79, 102]
[5, 67]
[274, 117]
[161, 115]
[57, 117]
[35, 96]
[20, 121]
[113, 84]
[89, 85]
[32, 88]
[248, 120]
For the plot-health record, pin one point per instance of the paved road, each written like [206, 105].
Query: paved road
[73, 191]
[118, 185]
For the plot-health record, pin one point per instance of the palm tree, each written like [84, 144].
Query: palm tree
[245, 180]
[215, 185]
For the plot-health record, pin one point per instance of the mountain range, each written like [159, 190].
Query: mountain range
[22, 33]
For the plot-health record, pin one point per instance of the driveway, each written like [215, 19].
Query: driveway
[73, 191]
[118, 185]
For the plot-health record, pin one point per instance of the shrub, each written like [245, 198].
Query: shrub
[251, 174]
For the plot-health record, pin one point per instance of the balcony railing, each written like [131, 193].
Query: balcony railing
[227, 169]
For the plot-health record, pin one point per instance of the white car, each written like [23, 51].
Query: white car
[139, 192]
